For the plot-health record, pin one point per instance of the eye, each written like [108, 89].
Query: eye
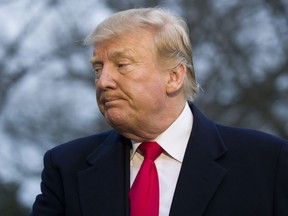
[97, 71]
[122, 65]
[125, 66]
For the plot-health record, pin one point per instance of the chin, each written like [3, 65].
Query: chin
[115, 119]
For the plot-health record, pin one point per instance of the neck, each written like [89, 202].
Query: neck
[153, 126]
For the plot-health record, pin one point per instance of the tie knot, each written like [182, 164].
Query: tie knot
[151, 150]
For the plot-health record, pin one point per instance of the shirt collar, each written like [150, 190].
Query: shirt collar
[175, 138]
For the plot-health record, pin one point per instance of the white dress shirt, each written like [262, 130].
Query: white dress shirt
[174, 142]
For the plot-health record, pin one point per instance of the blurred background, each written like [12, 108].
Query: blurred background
[47, 94]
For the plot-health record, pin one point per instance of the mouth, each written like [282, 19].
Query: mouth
[110, 101]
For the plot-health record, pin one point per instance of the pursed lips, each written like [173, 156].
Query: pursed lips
[107, 100]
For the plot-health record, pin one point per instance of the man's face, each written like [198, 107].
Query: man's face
[130, 88]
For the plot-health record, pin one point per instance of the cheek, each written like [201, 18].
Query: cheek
[99, 104]
[152, 94]
[154, 89]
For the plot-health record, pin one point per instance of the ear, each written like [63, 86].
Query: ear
[176, 79]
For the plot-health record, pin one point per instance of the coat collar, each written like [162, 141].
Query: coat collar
[104, 186]
[200, 173]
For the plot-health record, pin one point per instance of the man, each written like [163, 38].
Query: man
[145, 86]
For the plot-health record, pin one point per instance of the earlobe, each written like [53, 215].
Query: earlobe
[176, 79]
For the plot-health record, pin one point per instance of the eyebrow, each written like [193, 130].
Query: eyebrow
[95, 61]
[124, 53]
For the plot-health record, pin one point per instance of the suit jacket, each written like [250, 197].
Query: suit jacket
[226, 171]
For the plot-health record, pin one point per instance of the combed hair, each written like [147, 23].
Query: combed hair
[171, 37]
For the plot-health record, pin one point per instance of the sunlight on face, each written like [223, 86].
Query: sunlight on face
[130, 88]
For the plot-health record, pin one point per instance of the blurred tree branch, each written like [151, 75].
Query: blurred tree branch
[47, 90]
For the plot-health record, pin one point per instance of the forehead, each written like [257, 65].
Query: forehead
[113, 51]
[130, 44]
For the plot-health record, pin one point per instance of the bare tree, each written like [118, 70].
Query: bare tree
[47, 88]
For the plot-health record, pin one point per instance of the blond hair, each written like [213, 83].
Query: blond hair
[171, 37]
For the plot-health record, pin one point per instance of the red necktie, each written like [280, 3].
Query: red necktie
[144, 193]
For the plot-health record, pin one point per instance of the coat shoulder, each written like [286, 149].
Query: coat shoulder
[251, 141]
[78, 148]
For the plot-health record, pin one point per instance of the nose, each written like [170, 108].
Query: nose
[107, 79]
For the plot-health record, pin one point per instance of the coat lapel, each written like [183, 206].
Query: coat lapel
[200, 174]
[104, 186]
